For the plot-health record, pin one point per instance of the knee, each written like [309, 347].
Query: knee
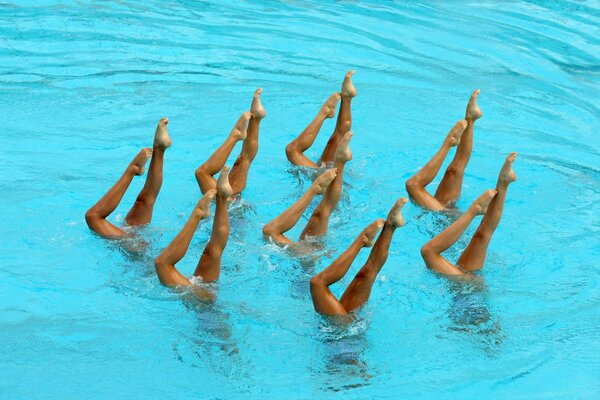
[316, 282]
[212, 250]
[481, 236]
[91, 217]
[200, 172]
[452, 170]
[426, 251]
[412, 185]
[268, 230]
[291, 150]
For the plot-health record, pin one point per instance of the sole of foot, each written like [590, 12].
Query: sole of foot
[323, 180]
[256, 108]
[507, 174]
[348, 89]
[369, 234]
[330, 105]
[483, 201]
[473, 112]
[138, 164]
[161, 137]
[223, 187]
[240, 130]
[395, 217]
[456, 132]
[343, 152]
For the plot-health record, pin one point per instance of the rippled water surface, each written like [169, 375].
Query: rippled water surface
[82, 85]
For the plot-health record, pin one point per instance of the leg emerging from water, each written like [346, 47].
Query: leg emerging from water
[96, 215]
[432, 250]
[344, 121]
[295, 150]
[451, 185]
[415, 186]
[474, 255]
[216, 162]
[165, 262]
[209, 266]
[319, 221]
[141, 212]
[323, 300]
[239, 173]
[286, 221]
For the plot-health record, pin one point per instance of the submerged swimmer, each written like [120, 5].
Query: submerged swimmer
[490, 204]
[359, 290]
[141, 212]
[295, 150]
[246, 129]
[448, 191]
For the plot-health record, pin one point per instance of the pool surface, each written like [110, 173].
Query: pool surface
[82, 86]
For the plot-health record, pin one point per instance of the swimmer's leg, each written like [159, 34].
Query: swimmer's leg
[319, 221]
[431, 251]
[239, 172]
[344, 120]
[359, 290]
[474, 255]
[141, 212]
[415, 186]
[451, 185]
[209, 265]
[96, 215]
[165, 262]
[295, 150]
[286, 221]
[323, 300]
[215, 163]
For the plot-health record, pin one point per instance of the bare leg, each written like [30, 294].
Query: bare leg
[415, 186]
[209, 265]
[295, 150]
[323, 300]
[451, 185]
[286, 221]
[344, 121]
[359, 290]
[165, 262]
[319, 221]
[474, 255]
[96, 215]
[141, 212]
[215, 163]
[432, 250]
[239, 173]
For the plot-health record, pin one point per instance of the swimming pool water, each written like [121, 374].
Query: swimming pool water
[82, 86]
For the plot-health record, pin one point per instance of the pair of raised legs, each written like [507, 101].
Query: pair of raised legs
[448, 191]
[295, 150]
[141, 212]
[491, 205]
[359, 290]
[246, 129]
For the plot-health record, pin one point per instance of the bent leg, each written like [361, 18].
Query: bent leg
[474, 255]
[96, 215]
[141, 212]
[215, 163]
[165, 262]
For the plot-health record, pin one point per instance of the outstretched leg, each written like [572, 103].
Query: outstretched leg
[215, 163]
[286, 221]
[295, 150]
[165, 262]
[451, 184]
[209, 265]
[323, 300]
[415, 186]
[239, 173]
[474, 255]
[319, 221]
[96, 215]
[432, 250]
[344, 121]
[359, 290]
[141, 212]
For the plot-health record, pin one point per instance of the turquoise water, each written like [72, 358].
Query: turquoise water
[82, 86]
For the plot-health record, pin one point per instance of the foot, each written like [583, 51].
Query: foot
[161, 137]
[202, 209]
[322, 182]
[343, 152]
[348, 89]
[507, 175]
[453, 138]
[395, 217]
[223, 187]
[368, 235]
[138, 163]
[257, 109]
[480, 205]
[330, 105]
[239, 131]
[473, 112]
